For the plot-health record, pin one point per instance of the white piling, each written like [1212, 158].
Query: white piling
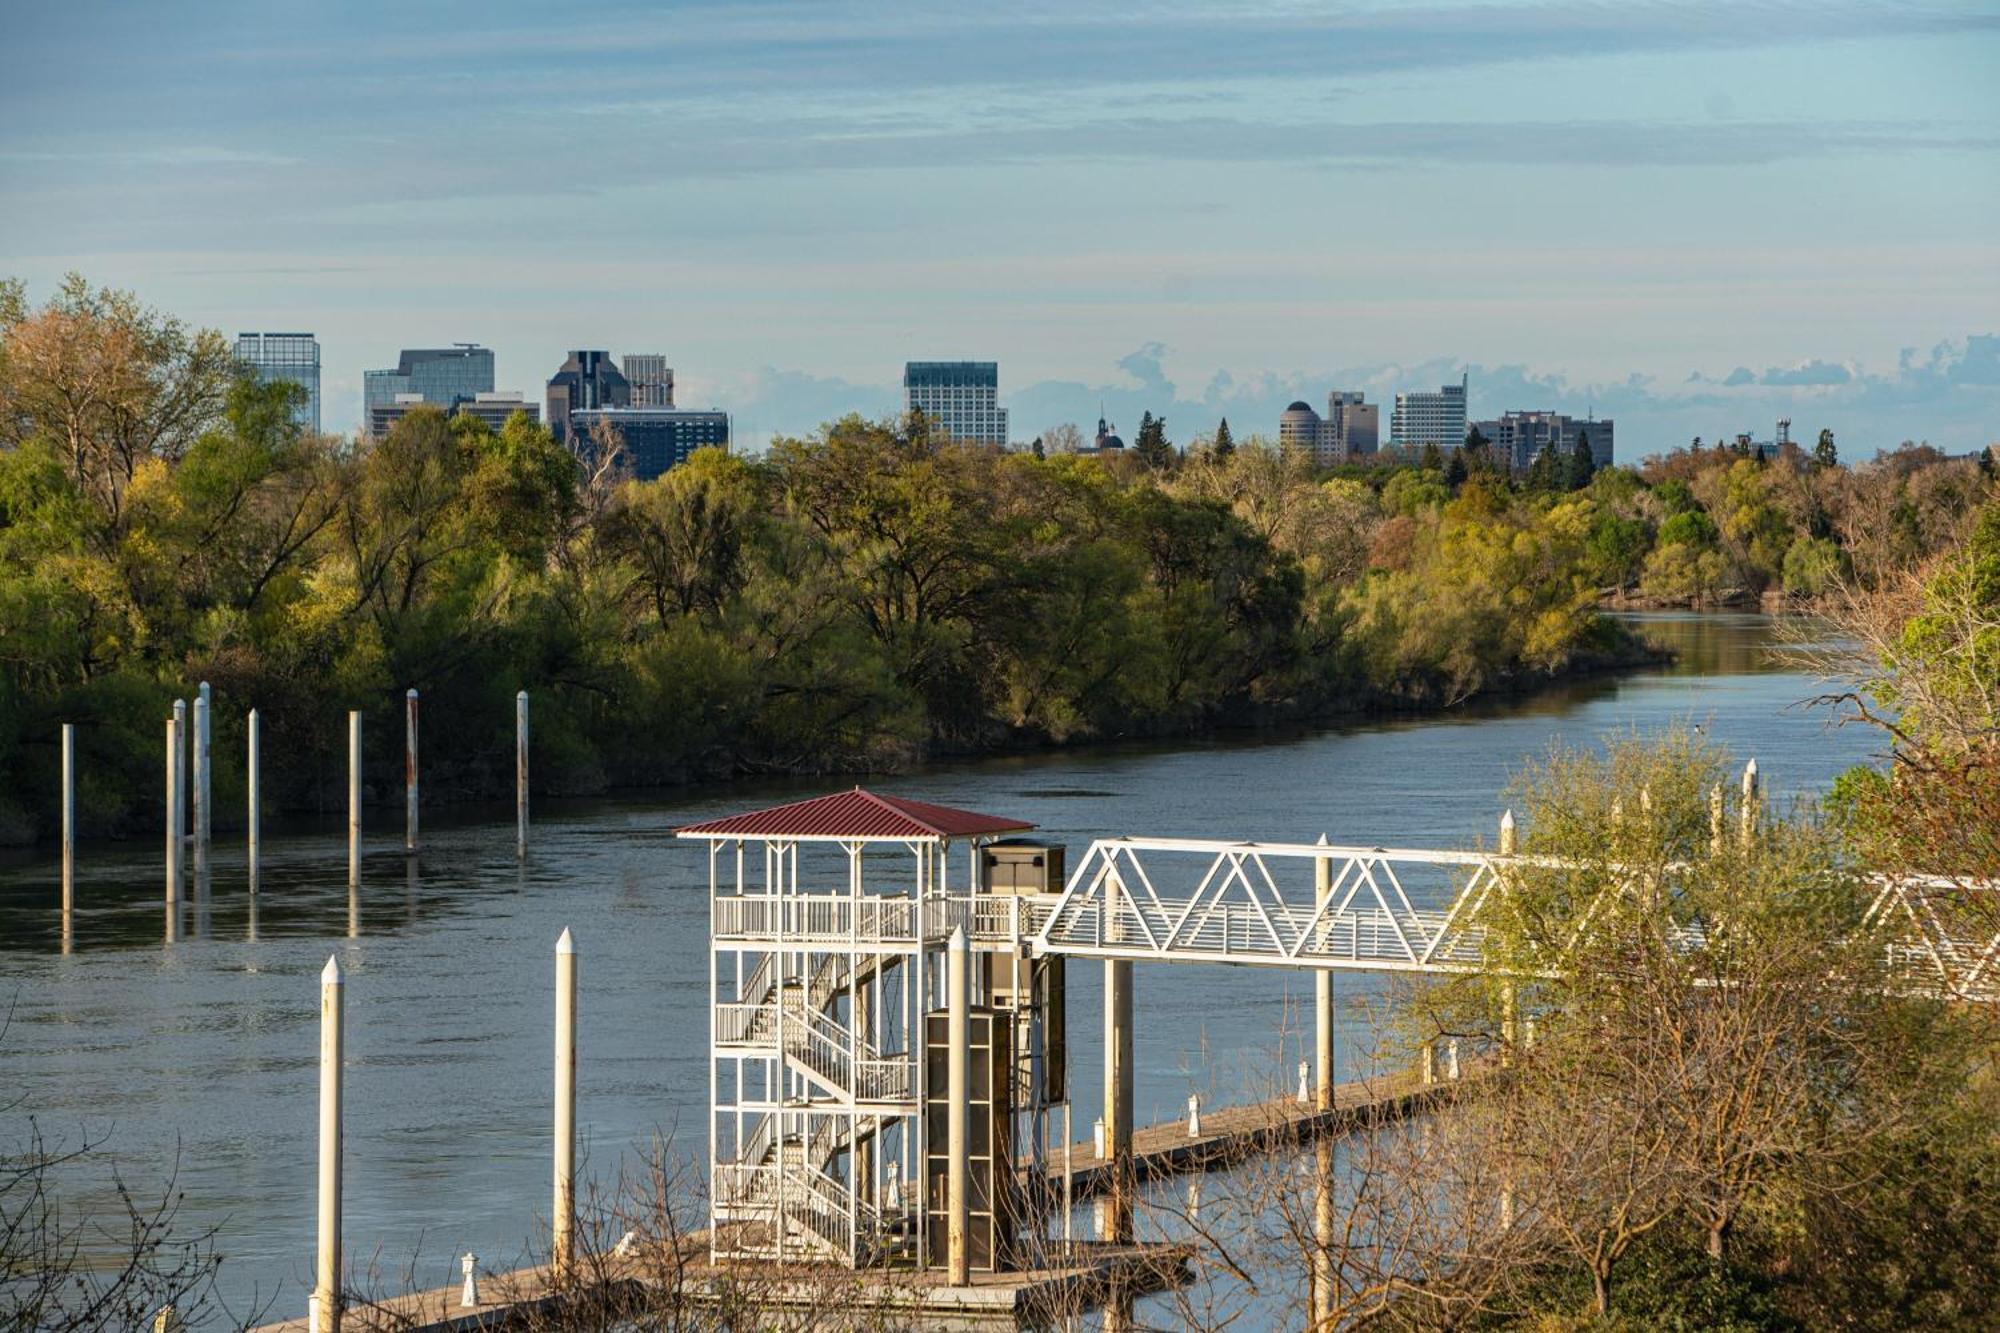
[1194, 1115]
[1753, 803]
[326, 1297]
[521, 773]
[563, 1215]
[958, 1123]
[174, 845]
[410, 770]
[254, 780]
[68, 833]
[1097, 1137]
[1305, 1083]
[353, 797]
[204, 783]
[1451, 1059]
[468, 1296]
[181, 730]
[198, 779]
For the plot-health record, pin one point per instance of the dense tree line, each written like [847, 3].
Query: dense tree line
[855, 599]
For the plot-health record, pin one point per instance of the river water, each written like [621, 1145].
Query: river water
[203, 1051]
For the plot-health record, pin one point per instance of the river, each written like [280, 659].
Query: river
[203, 1051]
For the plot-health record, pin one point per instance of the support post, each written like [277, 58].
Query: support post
[326, 1298]
[1510, 845]
[1753, 803]
[1427, 1062]
[410, 770]
[181, 762]
[353, 797]
[1116, 1210]
[521, 773]
[562, 1247]
[958, 1123]
[1323, 992]
[1715, 820]
[68, 834]
[174, 844]
[254, 780]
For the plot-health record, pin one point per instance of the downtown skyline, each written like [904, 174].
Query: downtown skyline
[1694, 218]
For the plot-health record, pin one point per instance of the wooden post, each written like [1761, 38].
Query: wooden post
[68, 834]
[521, 773]
[562, 1246]
[254, 777]
[410, 770]
[1510, 845]
[958, 1099]
[1323, 991]
[174, 845]
[326, 1296]
[1115, 1211]
[199, 779]
[353, 797]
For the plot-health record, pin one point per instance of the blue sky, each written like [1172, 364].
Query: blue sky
[1694, 217]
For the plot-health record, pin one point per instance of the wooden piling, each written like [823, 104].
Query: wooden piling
[68, 835]
[521, 773]
[353, 798]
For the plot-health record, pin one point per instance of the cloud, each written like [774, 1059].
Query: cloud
[1740, 375]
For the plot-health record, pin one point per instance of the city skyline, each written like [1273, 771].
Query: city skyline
[1697, 218]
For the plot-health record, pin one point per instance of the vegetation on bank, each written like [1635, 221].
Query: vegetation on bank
[854, 600]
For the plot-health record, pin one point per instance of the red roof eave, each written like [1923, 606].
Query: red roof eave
[855, 816]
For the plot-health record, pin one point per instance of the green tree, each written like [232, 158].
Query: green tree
[1582, 463]
[1432, 457]
[1151, 443]
[1224, 444]
[1455, 470]
[1824, 455]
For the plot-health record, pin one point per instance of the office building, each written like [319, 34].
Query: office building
[961, 399]
[651, 378]
[655, 438]
[286, 356]
[440, 375]
[1518, 436]
[491, 408]
[1350, 429]
[1429, 418]
[587, 382]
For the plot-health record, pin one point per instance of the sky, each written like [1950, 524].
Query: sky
[1695, 218]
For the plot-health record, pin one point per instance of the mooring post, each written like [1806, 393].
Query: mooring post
[562, 1245]
[196, 726]
[174, 845]
[254, 778]
[521, 773]
[468, 1295]
[1323, 987]
[181, 761]
[68, 834]
[353, 797]
[410, 770]
[1194, 1115]
[1428, 1063]
[958, 1122]
[1715, 820]
[326, 1298]
[204, 787]
[1753, 803]
[1451, 1059]
[1305, 1083]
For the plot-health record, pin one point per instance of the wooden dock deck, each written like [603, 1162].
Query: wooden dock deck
[1228, 1134]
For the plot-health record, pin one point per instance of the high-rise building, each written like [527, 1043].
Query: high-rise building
[1518, 436]
[440, 375]
[655, 438]
[652, 379]
[491, 408]
[1349, 430]
[1429, 418]
[587, 381]
[960, 399]
[286, 356]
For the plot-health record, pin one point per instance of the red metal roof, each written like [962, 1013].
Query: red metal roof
[856, 814]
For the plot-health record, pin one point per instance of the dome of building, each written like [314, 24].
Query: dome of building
[1300, 407]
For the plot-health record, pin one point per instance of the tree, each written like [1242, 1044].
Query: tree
[1545, 474]
[1223, 445]
[1455, 470]
[1989, 463]
[1062, 439]
[1582, 463]
[1151, 443]
[1823, 452]
[1432, 457]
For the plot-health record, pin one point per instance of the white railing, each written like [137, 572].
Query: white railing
[990, 919]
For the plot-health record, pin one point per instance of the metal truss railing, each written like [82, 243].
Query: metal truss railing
[1403, 910]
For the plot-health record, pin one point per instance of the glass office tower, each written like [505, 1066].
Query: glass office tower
[286, 356]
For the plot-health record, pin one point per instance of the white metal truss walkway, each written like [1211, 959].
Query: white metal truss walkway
[1401, 910]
